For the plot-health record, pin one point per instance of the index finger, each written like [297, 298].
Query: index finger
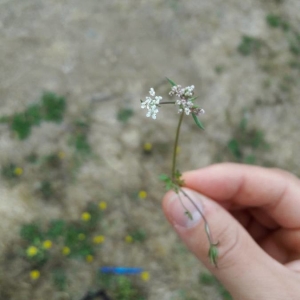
[276, 192]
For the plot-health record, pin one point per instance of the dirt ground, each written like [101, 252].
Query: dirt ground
[103, 56]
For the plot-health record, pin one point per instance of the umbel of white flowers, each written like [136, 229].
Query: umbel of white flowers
[184, 101]
[151, 104]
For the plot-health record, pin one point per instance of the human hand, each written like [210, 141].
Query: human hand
[254, 214]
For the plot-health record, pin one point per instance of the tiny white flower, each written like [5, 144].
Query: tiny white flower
[187, 111]
[198, 111]
[151, 104]
[184, 105]
[152, 92]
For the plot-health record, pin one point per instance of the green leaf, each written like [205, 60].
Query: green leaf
[198, 123]
[169, 185]
[189, 215]
[192, 99]
[56, 229]
[171, 82]
[213, 255]
[31, 232]
[164, 177]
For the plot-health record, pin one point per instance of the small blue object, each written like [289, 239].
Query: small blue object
[121, 270]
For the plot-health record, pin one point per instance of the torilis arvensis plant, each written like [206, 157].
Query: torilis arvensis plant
[185, 106]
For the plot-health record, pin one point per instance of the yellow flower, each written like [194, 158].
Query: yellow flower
[147, 147]
[35, 274]
[47, 244]
[98, 239]
[18, 171]
[102, 205]
[128, 239]
[89, 258]
[81, 236]
[61, 154]
[32, 251]
[85, 216]
[142, 194]
[66, 250]
[145, 276]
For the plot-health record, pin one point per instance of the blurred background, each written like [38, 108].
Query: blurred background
[80, 160]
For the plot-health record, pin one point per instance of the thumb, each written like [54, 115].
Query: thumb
[242, 265]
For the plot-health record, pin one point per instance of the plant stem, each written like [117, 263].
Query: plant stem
[207, 230]
[213, 250]
[167, 102]
[175, 147]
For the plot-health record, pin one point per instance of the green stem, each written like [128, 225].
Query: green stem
[213, 247]
[167, 102]
[207, 230]
[175, 147]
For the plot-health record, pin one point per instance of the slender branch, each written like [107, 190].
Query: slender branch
[175, 147]
[167, 102]
[207, 230]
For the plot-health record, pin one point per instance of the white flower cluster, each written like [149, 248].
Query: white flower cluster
[185, 102]
[151, 104]
[198, 111]
[184, 105]
[182, 92]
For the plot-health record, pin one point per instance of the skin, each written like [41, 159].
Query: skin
[254, 214]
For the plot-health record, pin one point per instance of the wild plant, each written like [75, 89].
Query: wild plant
[185, 105]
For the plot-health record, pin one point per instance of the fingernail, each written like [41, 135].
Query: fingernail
[183, 211]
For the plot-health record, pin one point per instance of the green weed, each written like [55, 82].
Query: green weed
[138, 235]
[292, 35]
[48, 247]
[50, 171]
[46, 189]
[246, 144]
[219, 69]
[124, 115]
[51, 108]
[31, 232]
[249, 45]
[11, 171]
[59, 278]
[79, 138]
[276, 21]
[120, 287]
